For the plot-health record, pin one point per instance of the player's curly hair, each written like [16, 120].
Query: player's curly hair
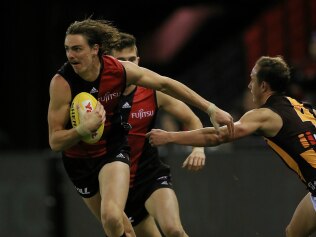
[101, 32]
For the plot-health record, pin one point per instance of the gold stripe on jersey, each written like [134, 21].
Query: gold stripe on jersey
[286, 158]
[302, 112]
[309, 156]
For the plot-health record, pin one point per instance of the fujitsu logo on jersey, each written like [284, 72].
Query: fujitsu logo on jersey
[109, 96]
[142, 114]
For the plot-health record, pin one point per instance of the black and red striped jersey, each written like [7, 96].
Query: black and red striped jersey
[107, 89]
[139, 109]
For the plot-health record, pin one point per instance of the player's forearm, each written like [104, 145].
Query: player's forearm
[200, 137]
[172, 88]
[64, 139]
[194, 124]
[185, 94]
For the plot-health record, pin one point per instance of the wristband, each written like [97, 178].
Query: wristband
[211, 109]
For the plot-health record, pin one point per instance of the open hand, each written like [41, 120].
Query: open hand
[196, 160]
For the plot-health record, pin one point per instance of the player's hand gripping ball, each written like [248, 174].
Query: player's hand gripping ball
[86, 103]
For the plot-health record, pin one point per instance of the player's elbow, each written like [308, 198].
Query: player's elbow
[164, 85]
[55, 146]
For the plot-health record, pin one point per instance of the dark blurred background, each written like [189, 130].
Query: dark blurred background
[211, 46]
[208, 45]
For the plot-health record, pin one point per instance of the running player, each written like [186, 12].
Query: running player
[151, 198]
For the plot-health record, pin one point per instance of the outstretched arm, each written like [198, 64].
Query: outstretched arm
[263, 121]
[199, 137]
[147, 78]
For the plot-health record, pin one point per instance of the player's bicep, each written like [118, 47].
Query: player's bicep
[59, 104]
[143, 77]
[248, 124]
[58, 117]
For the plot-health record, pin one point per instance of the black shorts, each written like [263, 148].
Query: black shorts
[137, 196]
[84, 172]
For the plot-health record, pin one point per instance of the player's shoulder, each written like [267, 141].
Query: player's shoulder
[109, 58]
[58, 81]
[59, 90]
[111, 62]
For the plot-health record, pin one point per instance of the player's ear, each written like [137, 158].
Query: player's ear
[264, 86]
[137, 60]
[96, 48]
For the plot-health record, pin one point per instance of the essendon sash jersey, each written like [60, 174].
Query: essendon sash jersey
[139, 109]
[296, 141]
[107, 89]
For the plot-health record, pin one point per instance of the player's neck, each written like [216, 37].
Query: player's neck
[266, 96]
[93, 73]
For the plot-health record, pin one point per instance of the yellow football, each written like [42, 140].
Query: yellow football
[87, 103]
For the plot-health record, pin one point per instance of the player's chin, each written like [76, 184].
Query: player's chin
[77, 68]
